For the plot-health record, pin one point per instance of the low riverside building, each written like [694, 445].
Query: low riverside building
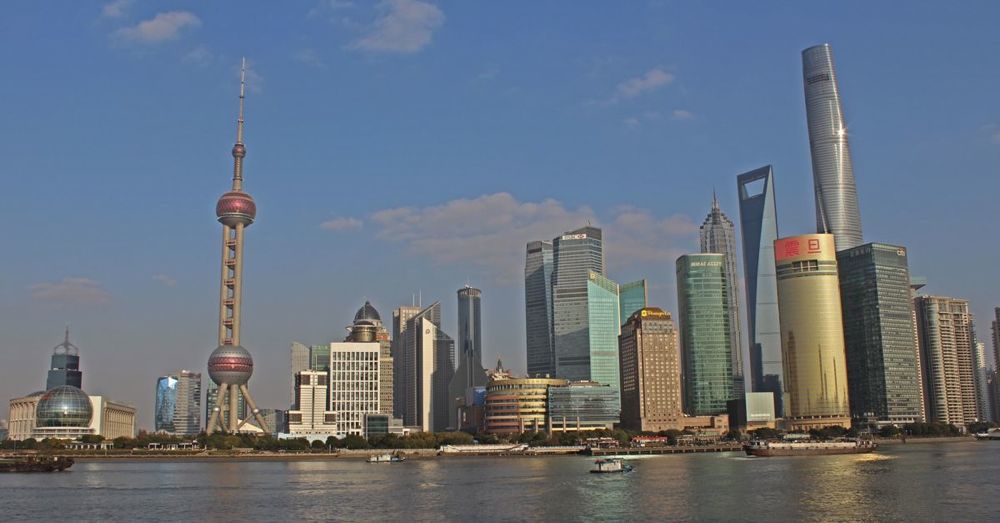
[581, 406]
[517, 404]
[66, 412]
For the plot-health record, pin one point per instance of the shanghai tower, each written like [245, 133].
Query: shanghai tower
[230, 365]
[833, 176]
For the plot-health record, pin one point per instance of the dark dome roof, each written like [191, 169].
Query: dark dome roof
[367, 312]
[64, 406]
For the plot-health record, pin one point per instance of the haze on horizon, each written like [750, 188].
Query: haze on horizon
[410, 147]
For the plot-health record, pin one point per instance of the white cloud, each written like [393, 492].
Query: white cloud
[309, 57]
[631, 122]
[650, 81]
[403, 26]
[164, 279]
[115, 9]
[681, 114]
[489, 232]
[342, 224]
[160, 28]
[200, 56]
[325, 6]
[488, 74]
[70, 291]
[992, 132]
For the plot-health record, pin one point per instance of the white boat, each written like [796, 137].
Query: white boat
[992, 434]
[610, 466]
[385, 458]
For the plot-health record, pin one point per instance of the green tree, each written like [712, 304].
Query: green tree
[355, 442]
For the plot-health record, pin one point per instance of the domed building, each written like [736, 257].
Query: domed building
[64, 406]
[64, 411]
[367, 328]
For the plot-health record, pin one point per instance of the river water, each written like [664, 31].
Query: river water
[912, 482]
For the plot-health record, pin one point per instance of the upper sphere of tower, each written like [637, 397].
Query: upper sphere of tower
[239, 151]
[236, 207]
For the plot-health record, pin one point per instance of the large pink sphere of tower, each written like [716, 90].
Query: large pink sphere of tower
[230, 364]
[236, 207]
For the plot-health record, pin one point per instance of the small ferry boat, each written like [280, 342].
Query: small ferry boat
[610, 466]
[385, 458]
[808, 448]
[34, 463]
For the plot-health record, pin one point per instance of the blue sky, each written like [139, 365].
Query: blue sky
[412, 146]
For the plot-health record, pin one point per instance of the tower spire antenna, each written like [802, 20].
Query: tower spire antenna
[240, 150]
[715, 199]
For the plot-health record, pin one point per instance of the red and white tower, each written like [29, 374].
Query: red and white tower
[230, 365]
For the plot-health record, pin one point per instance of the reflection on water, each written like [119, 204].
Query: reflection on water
[901, 483]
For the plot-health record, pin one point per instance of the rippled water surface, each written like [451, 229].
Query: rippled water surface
[913, 482]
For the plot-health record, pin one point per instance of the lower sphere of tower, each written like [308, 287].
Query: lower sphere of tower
[230, 364]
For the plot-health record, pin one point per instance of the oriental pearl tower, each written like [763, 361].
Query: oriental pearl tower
[230, 365]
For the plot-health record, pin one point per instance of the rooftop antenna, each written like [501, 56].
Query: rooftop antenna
[239, 150]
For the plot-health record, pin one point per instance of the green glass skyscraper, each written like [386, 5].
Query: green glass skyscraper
[706, 359]
[603, 328]
[632, 297]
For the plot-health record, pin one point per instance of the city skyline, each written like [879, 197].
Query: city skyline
[144, 313]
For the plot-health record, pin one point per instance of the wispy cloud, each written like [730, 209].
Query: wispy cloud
[682, 114]
[402, 26]
[199, 56]
[165, 280]
[342, 224]
[488, 74]
[649, 81]
[70, 291]
[309, 57]
[489, 232]
[327, 6]
[992, 132]
[161, 28]
[115, 9]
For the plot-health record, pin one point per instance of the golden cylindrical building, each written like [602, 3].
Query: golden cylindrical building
[812, 332]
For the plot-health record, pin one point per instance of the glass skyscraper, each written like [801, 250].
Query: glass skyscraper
[759, 227]
[470, 372]
[703, 308]
[538, 267]
[883, 374]
[178, 404]
[632, 297]
[833, 174]
[603, 327]
[582, 406]
[65, 368]
[575, 255]
[718, 235]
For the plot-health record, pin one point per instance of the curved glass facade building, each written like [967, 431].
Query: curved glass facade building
[833, 175]
[812, 332]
